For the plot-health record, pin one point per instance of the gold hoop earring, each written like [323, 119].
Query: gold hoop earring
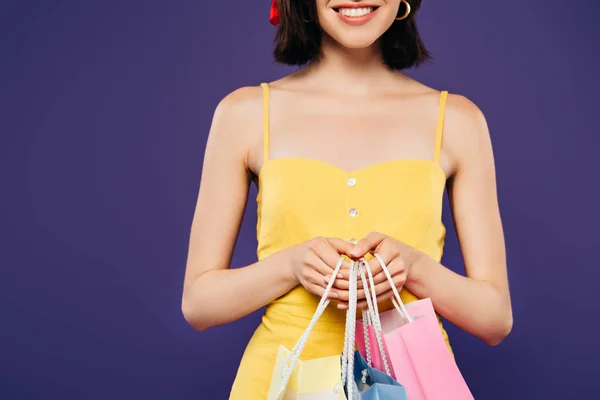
[407, 13]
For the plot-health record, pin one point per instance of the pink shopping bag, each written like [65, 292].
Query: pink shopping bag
[418, 354]
[391, 320]
[376, 360]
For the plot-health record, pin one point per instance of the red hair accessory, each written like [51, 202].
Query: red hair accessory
[274, 16]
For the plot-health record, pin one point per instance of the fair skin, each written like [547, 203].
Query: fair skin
[348, 102]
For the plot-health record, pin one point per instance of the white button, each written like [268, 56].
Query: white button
[353, 241]
[351, 182]
[353, 212]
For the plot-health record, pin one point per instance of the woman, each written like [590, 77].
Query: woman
[349, 160]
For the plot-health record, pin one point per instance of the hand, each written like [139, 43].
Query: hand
[314, 262]
[398, 257]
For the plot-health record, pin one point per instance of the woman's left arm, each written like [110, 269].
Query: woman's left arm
[480, 302]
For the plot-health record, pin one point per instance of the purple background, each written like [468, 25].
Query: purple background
[104, 112]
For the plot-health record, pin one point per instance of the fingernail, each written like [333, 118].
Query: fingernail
[334, 295]
[327, 279]
[355, 252]
[340, 276]
[342, 306]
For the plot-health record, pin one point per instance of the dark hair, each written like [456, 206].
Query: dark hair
[298, 42]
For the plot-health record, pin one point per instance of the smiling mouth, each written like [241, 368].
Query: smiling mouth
[355, 12]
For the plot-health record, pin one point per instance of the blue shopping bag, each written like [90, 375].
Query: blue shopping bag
[372, 384]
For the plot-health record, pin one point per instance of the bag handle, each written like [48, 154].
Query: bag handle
[373, 313]
[349, 336]
[397, 300]
[366, 321]
[292, 358]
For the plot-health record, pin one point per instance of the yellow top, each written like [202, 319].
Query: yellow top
[301, 198]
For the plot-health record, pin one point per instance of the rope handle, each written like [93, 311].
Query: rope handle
[373, 313]
[349, 336]
[397, 300]
[294, 355]
[366, 323]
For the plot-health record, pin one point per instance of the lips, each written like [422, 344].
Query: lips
[356, 13]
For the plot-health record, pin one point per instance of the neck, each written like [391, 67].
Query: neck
[350, 71]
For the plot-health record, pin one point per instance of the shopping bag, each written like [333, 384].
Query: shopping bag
[372, 384]
[391, 320]
[331, 378]
[416, 349]
[369, 337]
[317, 379]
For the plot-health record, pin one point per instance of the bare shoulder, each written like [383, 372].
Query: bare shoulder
[241, 103]
[465, 124]
[237, 119]
[466, 135]
[464, 117]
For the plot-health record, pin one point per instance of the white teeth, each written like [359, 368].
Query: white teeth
[355, 12]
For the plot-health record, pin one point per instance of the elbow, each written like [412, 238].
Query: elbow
[193, 318]
[501, 330]
[193, 311]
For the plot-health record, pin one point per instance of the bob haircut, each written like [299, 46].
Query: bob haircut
[298, 42]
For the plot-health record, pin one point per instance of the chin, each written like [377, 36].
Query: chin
[354, 38]
[356, 42]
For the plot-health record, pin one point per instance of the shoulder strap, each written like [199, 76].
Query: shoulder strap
[440, 127]
[266, 135]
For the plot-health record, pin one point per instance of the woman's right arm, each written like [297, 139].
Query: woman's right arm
[213, 294]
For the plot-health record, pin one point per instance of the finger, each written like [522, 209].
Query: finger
[385, 296]
[374, 265]
[388, 252]
[319, 291]
[390, 255]
[328, 256]
[368, 243]
[380, 277]
[344, 284]
[315, 278]
[360, 294]
[340, 246]
[325, 271]
[398, 281]
[395, 266]
[362, 304]
[344, 295]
